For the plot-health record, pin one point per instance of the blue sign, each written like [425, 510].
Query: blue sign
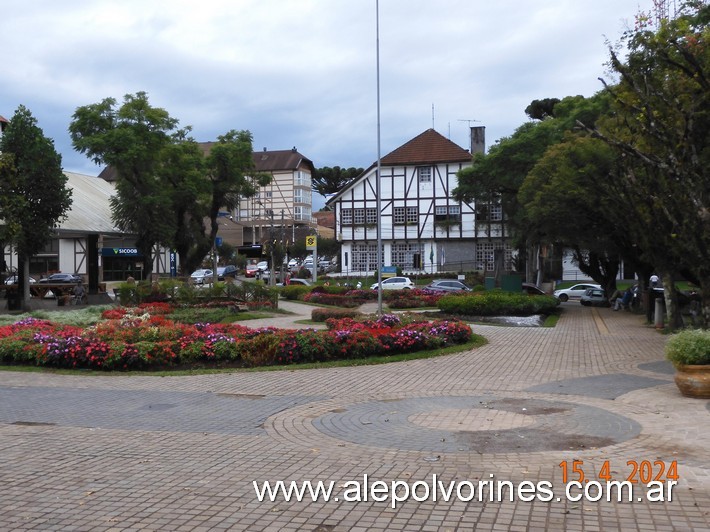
[218, 241]
[173, 263]
[389, 271]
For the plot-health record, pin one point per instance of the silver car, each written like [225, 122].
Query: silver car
[395, 283]
[594, 296]
[574, 292]
[447, 285]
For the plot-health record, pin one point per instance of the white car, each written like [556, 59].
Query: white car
[395, 283]
[199, 276]
[574, 292]
[263, 266]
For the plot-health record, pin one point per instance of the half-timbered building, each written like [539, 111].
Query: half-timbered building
[423, 228]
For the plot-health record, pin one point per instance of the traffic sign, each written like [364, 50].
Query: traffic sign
[311, 242]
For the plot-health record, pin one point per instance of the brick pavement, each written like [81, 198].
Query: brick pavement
[120, 452]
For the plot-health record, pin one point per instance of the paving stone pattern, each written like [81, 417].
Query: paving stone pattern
[122, 452]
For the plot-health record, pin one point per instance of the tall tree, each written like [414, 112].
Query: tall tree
[131, 138]
[497, 176]
[661, 126]
[231, 172]
[328, 180]
[183, 174]
[33, 190]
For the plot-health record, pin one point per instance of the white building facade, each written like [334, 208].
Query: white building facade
[423, 228]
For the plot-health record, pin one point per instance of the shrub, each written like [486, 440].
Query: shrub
[261, 350]
[411, 298]
[332, 299]
[323, 314]
[689, 347]
[295, 291]
[497, 303]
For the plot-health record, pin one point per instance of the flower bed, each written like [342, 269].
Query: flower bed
[145, 338]
[411, 298]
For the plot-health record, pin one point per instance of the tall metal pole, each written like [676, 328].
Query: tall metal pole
[377, 177]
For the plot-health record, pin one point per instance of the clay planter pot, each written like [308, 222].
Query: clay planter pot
[693, 381]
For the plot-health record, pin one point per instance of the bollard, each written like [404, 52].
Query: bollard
[659, 313]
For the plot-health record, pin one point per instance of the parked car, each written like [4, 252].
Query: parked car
[574, 292]
[199, 276]
[325, 266]
[263, 265]
[251, 270]
[447, 285]
[395, 283]
[594, 296]
[532, 290]
[297, 281]
[14, 279]
[62, 278]
[227, 271]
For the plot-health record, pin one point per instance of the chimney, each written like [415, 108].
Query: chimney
[478, 139]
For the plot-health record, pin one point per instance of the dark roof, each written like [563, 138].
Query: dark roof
[273, 161]
[109, 174]
[427, 148]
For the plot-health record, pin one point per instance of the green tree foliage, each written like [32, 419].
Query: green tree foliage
[131, 138]
[564, 204]
[230, 171]
[661, 128]
[541, 109]
[33, 189]
[183, 175]
[166, 187]
[328, 180]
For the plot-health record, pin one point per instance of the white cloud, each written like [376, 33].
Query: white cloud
[303, 73]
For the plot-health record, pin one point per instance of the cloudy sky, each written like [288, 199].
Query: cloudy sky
[303, 73]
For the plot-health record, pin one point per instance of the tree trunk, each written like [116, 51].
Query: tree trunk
[670, 295]
[23, 274]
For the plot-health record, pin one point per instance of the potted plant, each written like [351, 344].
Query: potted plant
[689, 351]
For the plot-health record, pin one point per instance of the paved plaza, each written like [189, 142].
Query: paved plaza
[591, 395]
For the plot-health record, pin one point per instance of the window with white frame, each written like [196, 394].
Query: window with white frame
[447, 213]
[301, 213]
[302, 179]
[400, 215]
[407, 255]
[346, 216]
[424, 173]
[485, 255]
[489, 212]
[405, 215]
[412, 215]
[364, 257]
[496, 212]
[301, 195]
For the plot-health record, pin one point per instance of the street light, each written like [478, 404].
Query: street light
[379, 168]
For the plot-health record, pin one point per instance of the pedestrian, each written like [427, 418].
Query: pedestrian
[654, 280]
[624, 300]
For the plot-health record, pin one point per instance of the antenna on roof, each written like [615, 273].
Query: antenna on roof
[432, 116]
[468, 121]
